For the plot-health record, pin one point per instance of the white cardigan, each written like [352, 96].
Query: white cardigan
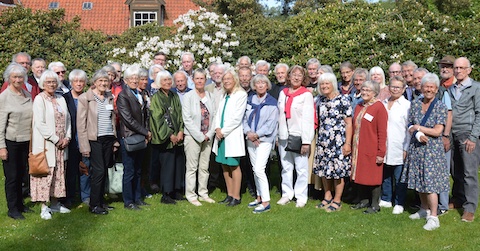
[192, 115]
[302, 115]
[44, 127]
[232, 129]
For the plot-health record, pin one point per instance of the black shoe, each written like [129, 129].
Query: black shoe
[142, 203]
[234, 202]
[16, 215]
[226, 200]
[178, 196]
[252, 192]
[154, 188]
[132, 207]
[360, 205]
[108, 207]
[98, 210]
[27, 210]
[372, 210]
[167, 200]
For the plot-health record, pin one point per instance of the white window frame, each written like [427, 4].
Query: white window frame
[87, 6]
[143, 20]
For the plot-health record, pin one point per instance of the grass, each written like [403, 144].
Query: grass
[216, 227]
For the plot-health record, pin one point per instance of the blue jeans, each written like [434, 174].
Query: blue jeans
[443, 196]
[132, 172]
[391, 175]
[85, 181]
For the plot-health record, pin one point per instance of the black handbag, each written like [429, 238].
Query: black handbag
[294, 143]
[135, 142]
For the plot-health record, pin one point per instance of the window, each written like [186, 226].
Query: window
[143, 17]
[87, 5]
[53, 5]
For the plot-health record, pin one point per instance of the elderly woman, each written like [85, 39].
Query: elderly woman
[369, 146]
[260, 127]
[346, 72]
[198, 112]
[15, 129]
[78, 80]
[397, 142]
[152, 75]
[112, 74]
[51, 132]
[377, 75]
[97, 137]
[229, 143]
[132, 109]
[425, 170]
[296, 120]
[167, 128]
[332, 156]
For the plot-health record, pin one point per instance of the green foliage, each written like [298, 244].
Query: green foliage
[369, 34]
[47, 35]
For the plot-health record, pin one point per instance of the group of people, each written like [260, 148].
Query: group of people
[361, 137]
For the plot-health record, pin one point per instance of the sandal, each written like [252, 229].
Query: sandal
[324, 205]
[331, 208]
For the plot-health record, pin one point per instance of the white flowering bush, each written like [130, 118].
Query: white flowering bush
[206, 34]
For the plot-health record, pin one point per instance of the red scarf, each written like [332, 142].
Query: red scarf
[288, 104]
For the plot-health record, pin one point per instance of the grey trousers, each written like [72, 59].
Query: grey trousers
[465, 173]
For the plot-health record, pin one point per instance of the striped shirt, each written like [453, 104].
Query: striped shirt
[104, 121]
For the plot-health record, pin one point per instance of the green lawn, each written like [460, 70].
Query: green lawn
[216, 227]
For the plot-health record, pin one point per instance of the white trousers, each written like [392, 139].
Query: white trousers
[290, 161]
[198, 158]
[259, 158]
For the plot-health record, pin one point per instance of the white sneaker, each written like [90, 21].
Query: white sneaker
[385, 204]
[283, 201]
[196, 203]
[206, 199]
[46, 213]
[300, 204]
[397, 209]
[59, 208]
[432, 223]
[420, 214]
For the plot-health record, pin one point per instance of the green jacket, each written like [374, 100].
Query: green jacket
[166, 117]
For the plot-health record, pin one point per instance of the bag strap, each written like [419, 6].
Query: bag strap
[427, 114]
[31, 135]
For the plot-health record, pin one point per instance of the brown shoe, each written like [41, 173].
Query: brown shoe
[468, 217]
[452, 205]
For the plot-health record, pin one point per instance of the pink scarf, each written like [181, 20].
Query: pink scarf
[288, 104]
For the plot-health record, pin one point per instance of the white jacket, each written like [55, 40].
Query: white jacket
[302, 115]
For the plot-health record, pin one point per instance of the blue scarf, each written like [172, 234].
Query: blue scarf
[269, 100]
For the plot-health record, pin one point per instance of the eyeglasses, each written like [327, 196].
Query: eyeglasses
[395, 87]
[395, 72]
[365, 90]
[61, 72]
[296, 75]
[460, 68]
[446, 66]
[50, 82]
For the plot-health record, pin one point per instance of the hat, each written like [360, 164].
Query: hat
[448, 60]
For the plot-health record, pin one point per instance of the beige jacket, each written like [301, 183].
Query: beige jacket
[87, 119]
[15, 117]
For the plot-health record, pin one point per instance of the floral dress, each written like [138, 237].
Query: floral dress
[425, 169]
[329, 160]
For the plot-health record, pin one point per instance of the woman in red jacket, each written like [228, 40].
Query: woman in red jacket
[369, 145]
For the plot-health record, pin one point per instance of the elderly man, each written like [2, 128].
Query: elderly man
[180, 84]
[395, 69]
[188, 60]
[465, 132]
[245, 75]
[38, 67]
[244, 61]
[281, 77]
[407, 72]
[31, 84]
[262, 67]
[312, 69]
[160, 58]
[59, 68]
[216, 88]
[417, 81]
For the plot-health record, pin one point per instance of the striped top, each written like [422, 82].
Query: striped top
[105, 127]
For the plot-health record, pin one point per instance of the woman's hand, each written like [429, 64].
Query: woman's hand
[218, 133]
[86, 154]
[3, 154]
[149, 136]
[305, 150]
[423, 139]
[173, 139]
[446, 143]
[252, 136]
[346, 149]
[413, 128]
[180, 136]
[379, 160]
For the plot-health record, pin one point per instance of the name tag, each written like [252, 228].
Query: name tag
[109, 107]
[368, 117]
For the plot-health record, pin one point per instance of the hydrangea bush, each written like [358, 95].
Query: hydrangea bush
[206, 34]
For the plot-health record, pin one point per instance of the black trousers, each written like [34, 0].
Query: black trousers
[101, 157]
[172, 168]
[14, 170]
[72, 176]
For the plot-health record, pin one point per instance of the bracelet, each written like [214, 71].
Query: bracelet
[446, 136]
